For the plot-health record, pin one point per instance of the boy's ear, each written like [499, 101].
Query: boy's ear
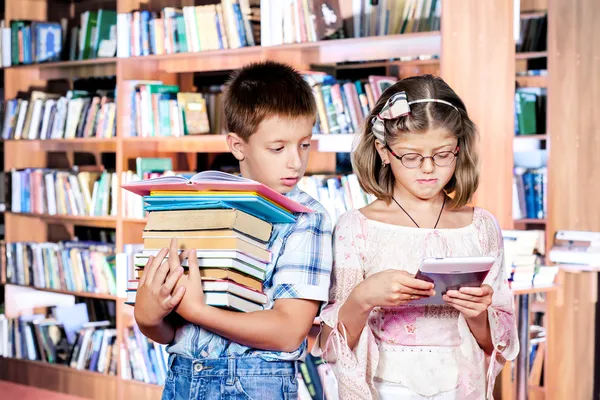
[236, 146]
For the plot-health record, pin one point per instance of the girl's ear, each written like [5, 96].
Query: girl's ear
[236, 145]
[383, 152]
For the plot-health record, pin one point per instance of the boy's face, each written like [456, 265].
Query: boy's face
[277, 153]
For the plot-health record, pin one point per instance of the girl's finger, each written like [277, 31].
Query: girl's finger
[463, 303]
[453, 294]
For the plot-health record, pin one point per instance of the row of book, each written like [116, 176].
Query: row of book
[68, 266]
[530, 111]
[343, 105]
[157, 109]
[524, 259]
[337, 194]
[226, 25]
[37, 338]
[530, 193]
[64, 192]
[143, 360]
[392, 17]
[532, 34]
[78, 114]
[29, 42]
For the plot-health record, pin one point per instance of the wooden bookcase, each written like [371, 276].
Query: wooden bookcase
[476, 57]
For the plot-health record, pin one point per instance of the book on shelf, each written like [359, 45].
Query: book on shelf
[163, 110]
[231, 237]
[343, 105]
[530, 193]
[532, 34]
[524, 261]
[530, 111]
[60, 192]
[142, 359]
[40, 338]
[337, 193]
[78, 114]
[67, 266]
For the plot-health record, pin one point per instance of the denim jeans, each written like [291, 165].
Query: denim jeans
[234, 378]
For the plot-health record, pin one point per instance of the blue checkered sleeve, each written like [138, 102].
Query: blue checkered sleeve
[303, 269]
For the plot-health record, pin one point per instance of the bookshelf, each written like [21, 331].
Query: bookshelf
[491, 69]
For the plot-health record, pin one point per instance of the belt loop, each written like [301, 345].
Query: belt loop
[296, 367]
[171, 361]
[231, 370]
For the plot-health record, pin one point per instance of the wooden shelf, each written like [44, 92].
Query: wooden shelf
[59, 378]
[66, 64]
[532, 137]
[535, 289]
[84, 144]
[78, 294]
[532, 81]
[131, 389]
[217, 144]
[532, 55]
[530, 221]
[534, 14]
[100, 222]
[322, 52]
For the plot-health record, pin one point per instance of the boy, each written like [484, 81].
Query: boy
[270, 111]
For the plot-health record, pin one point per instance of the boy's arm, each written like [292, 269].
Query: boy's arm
[300, 284]
[283, 328]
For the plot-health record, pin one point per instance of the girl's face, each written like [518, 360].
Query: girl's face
[429, 179]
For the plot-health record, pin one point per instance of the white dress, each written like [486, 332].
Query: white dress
[427, 351]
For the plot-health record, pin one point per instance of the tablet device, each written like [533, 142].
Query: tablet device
[452, 273]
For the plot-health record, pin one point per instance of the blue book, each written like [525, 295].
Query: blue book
[251, 204]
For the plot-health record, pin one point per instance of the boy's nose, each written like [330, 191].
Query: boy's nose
[294, 160]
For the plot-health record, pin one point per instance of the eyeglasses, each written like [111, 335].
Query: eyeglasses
[415, 160]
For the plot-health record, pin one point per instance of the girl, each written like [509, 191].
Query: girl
[417, 155]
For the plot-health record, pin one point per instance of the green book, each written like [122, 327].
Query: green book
[106, 30]
[526, 113]
[145, 165]
[89, 22]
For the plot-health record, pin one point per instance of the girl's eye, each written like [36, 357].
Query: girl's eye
[277, 150]
[411, 157]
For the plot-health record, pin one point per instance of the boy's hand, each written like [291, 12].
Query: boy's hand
[155, 297]
[193, 301]
[472, 302]
[391, 288]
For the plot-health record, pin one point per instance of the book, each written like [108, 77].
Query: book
[222, 273]
[188, 220]
[216, 299]
[211, 258]
[213, 180]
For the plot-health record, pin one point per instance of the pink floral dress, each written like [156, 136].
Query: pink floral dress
[428, 349]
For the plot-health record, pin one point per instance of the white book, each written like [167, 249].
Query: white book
[123, 35]
[21, 119]
[6, 47]
[217, 299]
[50, 193]
[213, 259]
[36, 117]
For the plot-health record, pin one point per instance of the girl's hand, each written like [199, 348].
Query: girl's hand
[472, 302]
[157, 294]
[391, 288]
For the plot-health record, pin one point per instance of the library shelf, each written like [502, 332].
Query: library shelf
[536, 289]
[59, 378]
[531, 55]
[305, 54]
[89, 295]
[80, 144]
[532, 137]
[98, 222]
[530, 221]
[532, 81]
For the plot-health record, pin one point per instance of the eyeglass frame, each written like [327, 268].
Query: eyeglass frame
[399, 158]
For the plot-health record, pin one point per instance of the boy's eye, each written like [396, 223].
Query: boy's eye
[305, 145]
[276, 150]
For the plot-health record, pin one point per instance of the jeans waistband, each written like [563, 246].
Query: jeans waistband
[231, 366]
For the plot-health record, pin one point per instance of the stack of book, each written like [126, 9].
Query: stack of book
[227, 219]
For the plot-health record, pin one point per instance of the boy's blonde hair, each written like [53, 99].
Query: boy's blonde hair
[378, 180]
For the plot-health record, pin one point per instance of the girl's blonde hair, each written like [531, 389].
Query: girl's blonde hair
[378, 180]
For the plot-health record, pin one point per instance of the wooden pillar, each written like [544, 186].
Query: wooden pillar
[478, 62]
[573, 184]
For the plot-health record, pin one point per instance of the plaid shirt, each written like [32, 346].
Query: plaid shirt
[300, 269]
